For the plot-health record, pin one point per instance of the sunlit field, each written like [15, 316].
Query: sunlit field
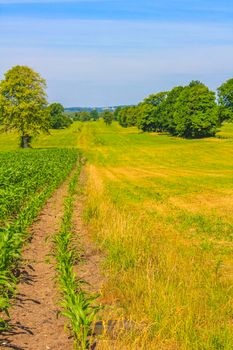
[56, 138]
[160, 209]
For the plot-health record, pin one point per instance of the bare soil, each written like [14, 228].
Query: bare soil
[34, 322]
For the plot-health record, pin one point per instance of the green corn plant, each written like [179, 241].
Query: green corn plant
[79, 307]
[27, 179]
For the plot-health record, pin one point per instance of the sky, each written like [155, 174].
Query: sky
[111, 52]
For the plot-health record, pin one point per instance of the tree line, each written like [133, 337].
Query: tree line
[187, 111]
[190, 111]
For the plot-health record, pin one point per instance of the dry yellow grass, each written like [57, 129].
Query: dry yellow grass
[163, 217]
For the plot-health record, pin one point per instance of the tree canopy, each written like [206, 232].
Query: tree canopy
[195, 112]
[58, 120]
[127, 116]
[23, 103]
[107, 117]
[94, 115]
[225, 100]
[190, 111]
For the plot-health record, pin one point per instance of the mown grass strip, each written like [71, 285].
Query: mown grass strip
[77, 305]
[43, 170]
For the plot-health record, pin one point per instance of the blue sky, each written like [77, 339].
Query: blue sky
[95, 53]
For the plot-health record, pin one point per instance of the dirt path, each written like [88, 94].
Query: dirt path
[34, 316]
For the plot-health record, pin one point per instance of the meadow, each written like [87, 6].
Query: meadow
[159, 208]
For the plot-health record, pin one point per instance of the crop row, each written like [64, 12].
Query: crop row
[78, 306]
[27, 179]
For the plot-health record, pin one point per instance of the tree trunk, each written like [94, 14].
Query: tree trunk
[25, 141]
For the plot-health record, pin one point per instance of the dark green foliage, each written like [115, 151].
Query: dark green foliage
[146, 117]
[166, 110]
[156, 99]
[195, 112]
[225, 100]
[75, 116]
[149, 115]
[61, 122]
[194, 83]
[107, 117]
[94, 114]
[58, 119]
[189, 111]
[127, 116]
[56, 109]
[82, 116]
[116, 112]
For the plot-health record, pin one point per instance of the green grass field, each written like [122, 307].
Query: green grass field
[160, 208]
[57, 139]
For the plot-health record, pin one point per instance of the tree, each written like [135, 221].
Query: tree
[194, 83]
[94, 114]
[156, 99]
[149, 118]
[23, 103]
[225, 100]
[167, 108]
[195, 112]
[116, 112]
[107, 117]
[146, 120]
[57, 118]
[56, 109]
[85, 116]
[122, 117]
[127, 116]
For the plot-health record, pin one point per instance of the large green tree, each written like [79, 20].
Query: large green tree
[225, 100]
[195, 112]
[23, 103]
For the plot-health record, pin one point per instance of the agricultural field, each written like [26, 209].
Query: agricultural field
[27, 179]
[158, 209]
